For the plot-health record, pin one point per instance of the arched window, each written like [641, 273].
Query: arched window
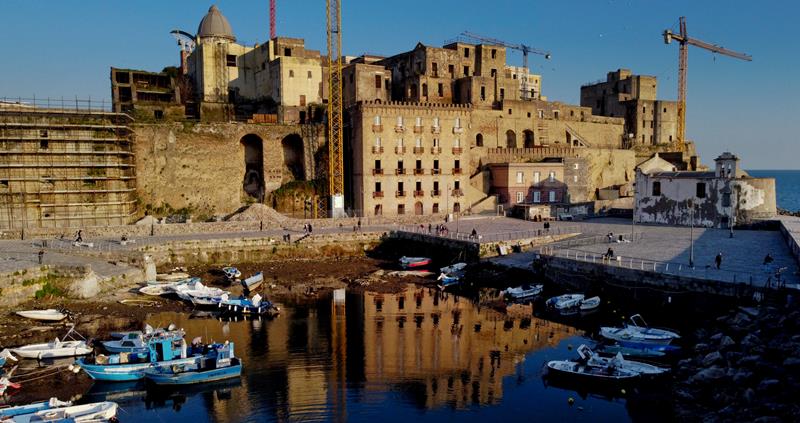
[511, 139]
[479, 140]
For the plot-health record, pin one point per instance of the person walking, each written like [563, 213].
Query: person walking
[718, 260]
[310, 230]
[79, 236]
[41, 256]
[474, 234]
[768, 259]
[359, 225]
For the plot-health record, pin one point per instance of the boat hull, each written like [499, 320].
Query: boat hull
[190, 378]
[43, 315]
[125, 372]
[635, 338]
[40, 351]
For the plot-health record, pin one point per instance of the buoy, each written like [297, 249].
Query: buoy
[570, 400]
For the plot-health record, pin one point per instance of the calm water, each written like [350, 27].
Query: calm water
[414, 356]
[787, 186]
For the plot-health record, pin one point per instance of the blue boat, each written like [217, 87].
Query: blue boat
[21, 410]
[218, 364]
[162, 350]
[136, 342]
[245, 306]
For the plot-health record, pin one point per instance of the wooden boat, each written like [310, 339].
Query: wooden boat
[9, 412]
[638, 333]
[6, 355]
[172, 277]
[590, 304]
[566, 301]
[94, 412]
[411, 262]
[254, 281]
[220, 364]
[69, 347]
[49, 315]
[231, 272]
[162, 351]
[524, 291]
[245, 306]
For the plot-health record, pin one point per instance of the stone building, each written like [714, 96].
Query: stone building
[146, 95]
[538, 183]
[717, 199]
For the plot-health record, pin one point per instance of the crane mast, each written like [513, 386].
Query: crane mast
[272, 29]
[335, 121]
[683, 66]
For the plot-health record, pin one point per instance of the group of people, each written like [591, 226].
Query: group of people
[441, 229]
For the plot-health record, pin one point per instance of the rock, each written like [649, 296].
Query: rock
[702, 348]
[742, 376]
[86, 287]
[750, 360]
[733, 356]
[740, 319]
[792, 362]
[710, 374]
[749, 395]
[726, 342]
[750, 341]
[685, 395]
[767, 419]
[716, 337]
[712, 358]
[750, 311]
[769, 385]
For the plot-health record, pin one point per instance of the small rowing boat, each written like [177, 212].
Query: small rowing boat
[231, 272]
[638, 332]
[94, 412]
[590, 304]
[524, 292]
[566, 301]
[20, 410]
[49, 315]
[411, 262]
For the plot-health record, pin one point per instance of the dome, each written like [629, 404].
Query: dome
[214, 24]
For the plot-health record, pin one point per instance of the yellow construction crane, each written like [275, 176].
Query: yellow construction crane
[335, 121]
[683, 65]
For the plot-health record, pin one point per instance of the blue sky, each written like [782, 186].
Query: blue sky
[65, 48]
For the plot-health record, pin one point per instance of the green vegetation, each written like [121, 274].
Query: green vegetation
[48, 290]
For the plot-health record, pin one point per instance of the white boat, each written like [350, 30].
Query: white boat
[5, 384]
[172, 277]
[9, 412]
[188, 292]
[592, 366]
[70, 347]
[590, 304]
[637, 332]
[84, 413]
[254, 281]
[524, 291]
[618, 361]
[156, 290]
[231, 272]
[453, 268]
[566, 301]
[49, 315]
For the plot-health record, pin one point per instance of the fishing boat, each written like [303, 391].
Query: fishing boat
[94, 412]
[566, 301]
[638, 332]
[411, 262]
[590, 304]
[199, 294]
[49, 315]
[231, 273]
[6, 355]
[136, 342]
[617, 360]
[254, 281]
[163, 350]
[219, 364]
[9, 412]
[453, 268]
[590, 366]
[523, 292]
[245, 306]
[69, 346]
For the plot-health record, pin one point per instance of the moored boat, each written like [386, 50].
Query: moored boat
[9, 412]
[637, 332]
[220, 364]
[49, 315]
[566, 301]
[254, 281]
[654, 351]
[453, 268]
[523, 292]
[618, 361]
[69, 346]
[411, 262]
[84, 413]
[255, 306]
[590, 304]
[591, 366]
[449, 280]
[231, 272]
[136, 342]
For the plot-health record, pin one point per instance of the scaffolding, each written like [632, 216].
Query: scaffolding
[65, 167]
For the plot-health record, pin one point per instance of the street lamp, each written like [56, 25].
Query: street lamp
[691, 233]
[633, 213]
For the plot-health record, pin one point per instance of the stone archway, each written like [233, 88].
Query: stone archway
[293, 157]
[253, 180]
[511, 139]
[529, 140]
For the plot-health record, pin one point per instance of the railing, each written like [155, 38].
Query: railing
[377, 171]
[377, 194]
[456, 171]
[55, 104]
[436, 171]
[400, 150]
[458, 130]
[418, 129]
[377, 149]
[400, 194]
[419, 150]
[399, 128]
[495, 237]
[458, 150]
[436, 129]
[419, 171]
[419, 193]
[435, 193]
[400, 172]
[377, 128]
[436, 150]
[458, 192]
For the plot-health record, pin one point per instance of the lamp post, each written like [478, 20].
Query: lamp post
[691, 233]
[633, 213]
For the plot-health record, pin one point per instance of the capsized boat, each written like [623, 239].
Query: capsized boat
[566, 301]
[231, 272]
[218, 364]
[69, 346]
[638, 332]
[6, 355]
[590, 304]
[49, 315]
[255, 306]
[84, 413]
[254, 281]
[7, 413]
[523, 291]
[411, 262]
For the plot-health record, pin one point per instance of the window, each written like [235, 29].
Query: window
[435, 208]
[451, 69]
[537, 197]
[575, 178]
[435, 142]
[494, 53]
[575, 166]
[424, 90]
[457, 164]
[519, 177]
[291, 73]
[377, 120]
[400, 165]
[435, 68]
[520, 197]
[419, 164]
[665, 110]
[377, 164]
[158, 114]
[456, 207]
[436, 122]
[400, 186]
[509, 111]
[399, 121]
[656, 189]
[435, 164]
[457, 185]
[436, 185]
[552, 176]
[502, 93]
[230, 60]
[43, 133]
[483, 92]
[493, 73]
[466, 70]
[529, 114]
[378, 142]
[458, 123]
[541, 114]
[441, 90]
[555, 114]
[287, 51]
[309, 74]
[377, 81]
[44, 144]
[377, 187]
[457, 143]
[701, 190]
[418, 121]
[552, 197]
[401, 209]
[418, 143]
[644, 109]
[479, 140]
[418, 186]
[378, 210]
[466, 52]
[536, 177]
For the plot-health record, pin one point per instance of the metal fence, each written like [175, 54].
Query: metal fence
[493, 237]
[55, 104]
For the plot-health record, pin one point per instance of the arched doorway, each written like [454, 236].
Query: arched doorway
[253, 181]
[456, 207]
[293, 157]
[479, 140]
[418, 208]
[511, 139]
[530, 142]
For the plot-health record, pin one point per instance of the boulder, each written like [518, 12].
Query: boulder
[716, 337]
[749, 395]
[750, 340]
[702, 348]
[711, 374]
[86, 287]
[740, 319]
[712, 358]
[726, 343]
[769, 385]
[792, 363]
[742, 376]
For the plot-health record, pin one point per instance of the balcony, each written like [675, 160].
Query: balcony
[399, 129]
[377, 149]
[458, 150]
[436, 171]
[436, 193]
[419, 150]
[419, 171]
[418, 129]
[456, 171]
[458, 130]
[377, 128]
[377, 171]
[400, 194]
[400, 150]
[400, 172]
[436, 129]
[458, 192]
[377, 194]
[436, 150]
[419, 193]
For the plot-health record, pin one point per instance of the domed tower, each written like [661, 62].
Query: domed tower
[215, 27]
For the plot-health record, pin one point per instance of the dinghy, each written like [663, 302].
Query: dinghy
[199, 294]
[254, 281]
[231, 273]
[7, 413]
[411, 262]
[68, 347]
[156, 290]
[637, 332]
[590, 366]
[94, 412]
[566, 301]
[523, 292]
[653, 351]
[448, 280]
[219, 364]
[590, 304]
[49, 315]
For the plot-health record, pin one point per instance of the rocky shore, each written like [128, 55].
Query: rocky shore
[745, 366]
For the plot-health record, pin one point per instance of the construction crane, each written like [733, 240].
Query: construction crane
[272, 30]
[335, 121]
[683, 67]
[521, 47]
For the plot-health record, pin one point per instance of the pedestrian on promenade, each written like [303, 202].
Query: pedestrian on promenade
[609, 253]
[359, 224]
[718, 260]
[474, 234]
[768, 259]
[310, 230]
[41, 256]
[305, 227]
[430, 228]
[79, 236]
